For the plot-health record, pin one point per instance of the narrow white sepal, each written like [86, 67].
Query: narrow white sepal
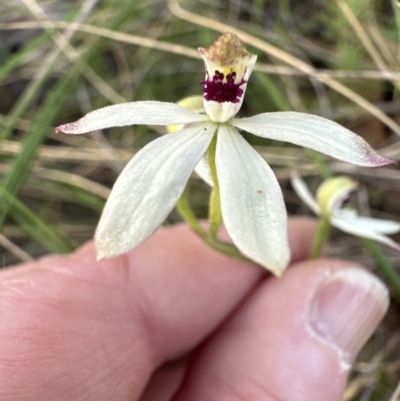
[148, 188]
[252, 205]
[145, 112]
[369, 223]
[360, 227]
[303, 193]
[383, 226]
[313, 132]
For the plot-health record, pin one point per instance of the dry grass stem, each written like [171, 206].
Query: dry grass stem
[19, 253]
[287, 58]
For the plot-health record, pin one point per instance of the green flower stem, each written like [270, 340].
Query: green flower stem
[187, 214]
[386, 267]
[189, 217]
[321, 235]
[324, 223]
[214, 214]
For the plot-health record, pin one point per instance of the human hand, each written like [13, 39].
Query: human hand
[75, 329]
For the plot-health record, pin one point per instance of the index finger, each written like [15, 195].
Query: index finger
[74, 328]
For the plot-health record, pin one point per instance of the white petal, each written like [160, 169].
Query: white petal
[313, 132]
[369, 223]
[203, 171]
[119, 115]
[346, 213]
[303, 193]
[251, 201]
[148, 188]
[359, 227]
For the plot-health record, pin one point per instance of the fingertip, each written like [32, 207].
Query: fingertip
[301, 235]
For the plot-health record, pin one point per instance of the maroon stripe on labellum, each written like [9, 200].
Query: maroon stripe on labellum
[223, 91]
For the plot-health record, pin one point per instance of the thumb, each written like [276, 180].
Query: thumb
[294, 338]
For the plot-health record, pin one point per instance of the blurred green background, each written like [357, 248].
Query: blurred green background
[61, 59]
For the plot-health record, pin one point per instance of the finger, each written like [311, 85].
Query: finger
[165, 381]
[74, 328]
[293, 339]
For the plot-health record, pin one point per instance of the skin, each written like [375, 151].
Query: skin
[171, 320]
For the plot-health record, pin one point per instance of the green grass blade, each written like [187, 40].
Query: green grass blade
[16, 59]
[33, 225]
[386, 267]
[275, 95]
[45, 117]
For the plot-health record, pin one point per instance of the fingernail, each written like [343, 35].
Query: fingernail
[346, 310]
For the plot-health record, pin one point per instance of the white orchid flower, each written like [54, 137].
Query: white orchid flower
[252, 205]
[331, 195]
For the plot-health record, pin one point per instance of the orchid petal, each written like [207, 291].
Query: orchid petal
[119, 115]
[203, 171]
[370, 223]
[358, 226]
[346, 213]
[148, 188]
[333, 192]
[303, 193]
[313, 132]
[251, 202]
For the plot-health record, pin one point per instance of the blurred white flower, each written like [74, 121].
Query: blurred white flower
[252, 205]
[331, 195]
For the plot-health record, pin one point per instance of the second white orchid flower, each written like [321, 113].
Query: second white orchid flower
[328, 203]
[251, 201]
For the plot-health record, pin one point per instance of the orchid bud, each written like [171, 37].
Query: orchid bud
[333, 192]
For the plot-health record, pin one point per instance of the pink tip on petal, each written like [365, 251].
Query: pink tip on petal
[69, 128]
[61, 128]
[378, 160]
